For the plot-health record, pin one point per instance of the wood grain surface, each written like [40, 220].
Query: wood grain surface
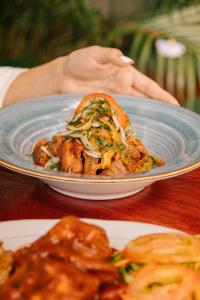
[174, 203]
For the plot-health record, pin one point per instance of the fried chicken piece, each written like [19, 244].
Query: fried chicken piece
[72, 240]
[91, 164]
[87, 240]
[6, 261]
[71, 157]
[116, 168]
[135, 157]
[45, 278]
[55, 145]
[132, 153]
[39, 156]
[136, 150]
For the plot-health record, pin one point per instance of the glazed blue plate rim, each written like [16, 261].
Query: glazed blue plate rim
[97, 179]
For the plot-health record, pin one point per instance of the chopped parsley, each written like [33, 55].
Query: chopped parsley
[101, 141]
[127, 271]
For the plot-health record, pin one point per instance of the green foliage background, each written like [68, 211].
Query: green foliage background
[35, 31]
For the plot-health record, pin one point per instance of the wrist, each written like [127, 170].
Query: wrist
[61, 74]
[56, 73]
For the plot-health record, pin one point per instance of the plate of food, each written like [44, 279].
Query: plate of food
[98, 146]
[52, 259]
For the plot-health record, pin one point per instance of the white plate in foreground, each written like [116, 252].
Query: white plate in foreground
[18, 233]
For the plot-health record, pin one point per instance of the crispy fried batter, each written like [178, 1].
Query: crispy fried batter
[135, 157]
[91, 165]
[117, 168]
[54, 146]
[39, 156]
[71, 157]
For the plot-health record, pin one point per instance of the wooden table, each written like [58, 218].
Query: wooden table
[173, 203]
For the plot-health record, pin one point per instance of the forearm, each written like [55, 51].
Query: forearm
[36, 82]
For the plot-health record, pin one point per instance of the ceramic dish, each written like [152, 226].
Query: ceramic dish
[170, 132]
[14, 234]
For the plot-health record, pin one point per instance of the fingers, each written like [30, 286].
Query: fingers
[105, 55]
[126, 90]
[101, 63]
[150, 88]
[129, 76]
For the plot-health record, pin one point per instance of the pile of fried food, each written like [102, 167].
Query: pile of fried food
[75, 261]
[99, 140]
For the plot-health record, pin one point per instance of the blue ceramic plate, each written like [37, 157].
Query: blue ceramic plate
[170, 132]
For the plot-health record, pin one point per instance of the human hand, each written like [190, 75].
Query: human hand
[99, 69]
[88, 70]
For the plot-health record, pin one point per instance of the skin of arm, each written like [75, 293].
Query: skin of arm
[87, 70]
[36, 82]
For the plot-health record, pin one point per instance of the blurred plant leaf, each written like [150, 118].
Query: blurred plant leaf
[35, 31]
[191, 82]
[145, 53]
[181, 77]
[160, 69]
[136, 44]
[170, 74]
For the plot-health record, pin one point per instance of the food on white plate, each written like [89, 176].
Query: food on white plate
[169, 282]
[74, 260]
[6, 260]
[162, 248]
[99, 140]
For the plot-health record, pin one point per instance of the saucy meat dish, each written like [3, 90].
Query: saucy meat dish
[75, 261]
[99, 140]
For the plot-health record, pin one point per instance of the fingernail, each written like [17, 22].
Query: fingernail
[127, 59]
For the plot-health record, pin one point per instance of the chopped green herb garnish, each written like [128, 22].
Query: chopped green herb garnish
[121, 147]
[127, 271]
[116, 256]
[101, 141]
[54, 165]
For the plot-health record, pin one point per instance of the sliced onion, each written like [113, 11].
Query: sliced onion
[53, 160]
[116, 122]
[130, 130]
[87, 143]
[85, 126]
[122, 131]
[95, 154]
[84, 140]
[118, 126]
[75, 135]
[63, 133]
[96, 124]
[123, 136]
[76, 117]
[45, 150]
